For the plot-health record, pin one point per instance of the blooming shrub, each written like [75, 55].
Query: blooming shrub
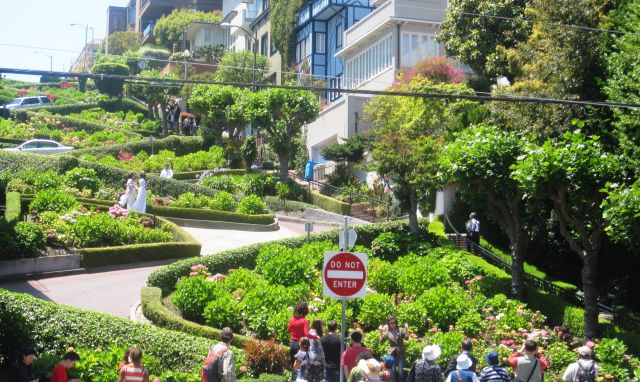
[29, 238]
[252, 205]
[223, 201]
[53, 200]
[83, 179]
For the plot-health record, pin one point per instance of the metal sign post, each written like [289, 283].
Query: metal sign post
[308, 227]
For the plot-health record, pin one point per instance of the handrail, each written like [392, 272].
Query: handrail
[576, 297]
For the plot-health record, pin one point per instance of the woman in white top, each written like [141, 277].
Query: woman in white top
[140, 204]
[166, 172]
[129, 197]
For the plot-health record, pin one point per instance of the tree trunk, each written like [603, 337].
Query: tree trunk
[284, 165]
[590, 289]
[150, 112]
[518, 252]
[413, 212]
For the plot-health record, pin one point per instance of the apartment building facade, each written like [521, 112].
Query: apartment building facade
[395, 35]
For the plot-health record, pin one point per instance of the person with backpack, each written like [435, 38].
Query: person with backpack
[302, 358]
[528, 363]
[465, 348]
[462, 372]
[585, 370]
[494, 372]
[220, 363]
[473, 232]
[426, 369]
[134, 371]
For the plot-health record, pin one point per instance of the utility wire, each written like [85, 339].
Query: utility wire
[474, 97]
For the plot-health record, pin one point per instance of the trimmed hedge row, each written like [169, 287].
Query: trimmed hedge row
[81, 124]
[11, 141]
[13, 208]
[181, 146]
[166, 277]
[25, 319]
[213, 215]
[329, 204]
[156, 312]
[67, 109]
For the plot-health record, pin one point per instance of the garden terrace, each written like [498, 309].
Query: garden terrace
[444, 294]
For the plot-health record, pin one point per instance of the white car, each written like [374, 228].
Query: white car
[28, 102]
[42, 146]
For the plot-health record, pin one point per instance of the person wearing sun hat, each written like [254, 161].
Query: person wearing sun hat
[494, 372]
[425, 369]
[371, 368]
[585, 369]
[462, 372]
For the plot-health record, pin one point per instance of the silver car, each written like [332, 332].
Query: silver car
[42, 146]
[28, 102]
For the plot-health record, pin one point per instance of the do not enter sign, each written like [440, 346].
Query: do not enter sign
[344, 275]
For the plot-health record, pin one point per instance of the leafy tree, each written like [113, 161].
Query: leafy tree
[284, 18]
[120, 42]
[557, 61]
[238, 67]
[169, 28]
[572, 173]
[280, 114]
[480, 160]
[622, 212]
[481, 42]
[7, 95]
[350, 152]
[407, 138]
[154, 94]
[110, 86]
[223, 108]
[622, 84]
[249, 151]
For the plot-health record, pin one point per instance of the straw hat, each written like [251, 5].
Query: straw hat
[371, 369]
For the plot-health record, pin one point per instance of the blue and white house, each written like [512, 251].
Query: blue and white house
[377, 42]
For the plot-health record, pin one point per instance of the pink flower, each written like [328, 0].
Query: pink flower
[626, 358]
[479, 277]
[590, 344]
[468, 282]
[490, 318]
[433, 330]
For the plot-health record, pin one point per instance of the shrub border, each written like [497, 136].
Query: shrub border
[329, 204]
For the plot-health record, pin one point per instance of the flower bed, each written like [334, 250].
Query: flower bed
[443, 294]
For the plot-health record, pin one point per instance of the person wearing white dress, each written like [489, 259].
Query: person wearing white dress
[129, 197]
[166, 172]
[140, 204]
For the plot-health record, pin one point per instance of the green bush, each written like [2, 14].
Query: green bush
[206, 214]
[13, 208]
[382, 276]
[53, 200]
[375, 310]
[192, 295]
[30, 181]
[443, 305]
[220, 183]
[419, 273]
[190, 200]
[83, 179]
[249, 150]
[29, 237]
[177, 144]
[329, 204]
[258, 184]
[281, 265]
[223, 201]
[200, 160]
[388, 245]
[110, 86]
[223, 311]
[252, 205]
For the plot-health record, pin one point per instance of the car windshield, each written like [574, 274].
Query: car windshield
[15, 102]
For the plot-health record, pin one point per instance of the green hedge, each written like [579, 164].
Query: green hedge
[67, 109]
[81, 124]
[213, 215]
[13, 208]
[329, 204]
[166, 277]
[181, 146]
[12, 141]
[125, 105]
[15, 161]
[25, 319]
[156, 312]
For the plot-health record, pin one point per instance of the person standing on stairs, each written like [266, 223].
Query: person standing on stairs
[473, 232]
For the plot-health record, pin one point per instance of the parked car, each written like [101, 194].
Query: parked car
[42, 146]
[28, 102]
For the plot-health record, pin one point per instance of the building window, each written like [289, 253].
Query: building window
[264, 44]
[339, 35]
[416, 46]
[207, 36]
[321, 42]
[335, 83]
[369, 63]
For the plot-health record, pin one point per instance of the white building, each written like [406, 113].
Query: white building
[395, 36]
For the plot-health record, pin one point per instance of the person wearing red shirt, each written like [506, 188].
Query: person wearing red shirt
[349, 356]
[60, 371]
[528, 364]
[298, 328]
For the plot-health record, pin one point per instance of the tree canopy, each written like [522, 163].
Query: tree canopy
[169, 28]
[238, 67]
[120, 42]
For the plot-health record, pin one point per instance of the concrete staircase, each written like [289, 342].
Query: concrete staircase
[458, 240]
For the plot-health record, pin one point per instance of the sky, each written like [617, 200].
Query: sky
[44, 26]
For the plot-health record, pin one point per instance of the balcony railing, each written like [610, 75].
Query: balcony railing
[148, 30]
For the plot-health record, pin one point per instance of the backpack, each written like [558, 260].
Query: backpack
[586, 375]
[468, 225]
[210, 372]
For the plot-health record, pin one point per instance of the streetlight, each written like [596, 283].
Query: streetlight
[50, 59]
[86, 32]
[254, 37]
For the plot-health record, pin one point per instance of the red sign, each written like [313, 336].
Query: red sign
[344, 275]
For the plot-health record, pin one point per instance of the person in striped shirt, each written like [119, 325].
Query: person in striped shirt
[135, 371]
[494, 372]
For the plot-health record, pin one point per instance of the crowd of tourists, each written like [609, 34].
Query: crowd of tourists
[317, 356]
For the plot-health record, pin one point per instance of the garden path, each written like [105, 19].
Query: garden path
[114, 290]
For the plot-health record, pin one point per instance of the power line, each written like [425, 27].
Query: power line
[473, 97]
